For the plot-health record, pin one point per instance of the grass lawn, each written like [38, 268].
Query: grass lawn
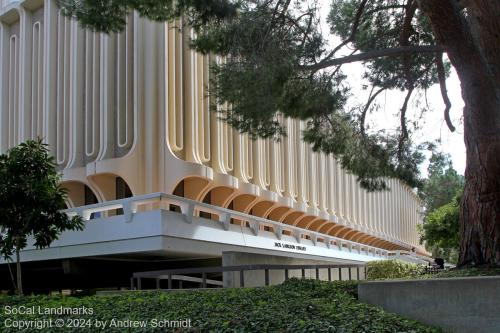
[295, 306]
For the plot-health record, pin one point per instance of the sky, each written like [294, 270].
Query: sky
[433, 126]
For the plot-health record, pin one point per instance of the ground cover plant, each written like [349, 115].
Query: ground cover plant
[295, 306]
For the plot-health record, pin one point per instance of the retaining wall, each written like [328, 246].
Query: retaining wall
[461, 305]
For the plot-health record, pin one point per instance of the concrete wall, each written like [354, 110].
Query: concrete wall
[257, 278]
[460, 305]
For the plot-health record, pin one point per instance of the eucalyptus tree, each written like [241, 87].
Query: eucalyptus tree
[279, 62]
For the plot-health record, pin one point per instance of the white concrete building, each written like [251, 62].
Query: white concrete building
[127, 118]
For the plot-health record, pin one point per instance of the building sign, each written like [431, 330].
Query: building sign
[291, 247]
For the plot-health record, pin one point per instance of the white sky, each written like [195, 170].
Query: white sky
[432, 123]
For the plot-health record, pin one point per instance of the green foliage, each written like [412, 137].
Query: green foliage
[295, 306]
[392, 269]
[443, 182]
[440, 231]
[277, 63]
[267, 75]
[441, 193]
[110, 16]
[380, 27]
[31, 200]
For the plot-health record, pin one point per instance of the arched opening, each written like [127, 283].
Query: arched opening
[179, 189]
[293, 217]
[337, 229]
[278, 213]
[321, 226]
[195, 187]
[122, 189]
[242, 203]
[343, 233]
[208, 200]
[317, 224]
[221, 196]
[304, 221]
[262, 208]
[79, 194]
[110, 186]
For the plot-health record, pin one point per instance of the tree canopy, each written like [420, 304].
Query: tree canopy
[442, 183]
[31, 200]
[441, 193]
[440, 231]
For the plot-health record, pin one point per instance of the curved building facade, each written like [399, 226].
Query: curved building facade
[127, 115]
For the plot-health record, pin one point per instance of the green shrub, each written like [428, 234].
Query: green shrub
[393, 269]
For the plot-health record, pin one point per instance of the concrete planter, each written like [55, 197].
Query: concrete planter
[470, 304]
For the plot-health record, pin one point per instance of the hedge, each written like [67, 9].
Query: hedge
[393, 269]
[295, 306]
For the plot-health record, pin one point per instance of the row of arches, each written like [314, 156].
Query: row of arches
[107, 187]
[200, 189]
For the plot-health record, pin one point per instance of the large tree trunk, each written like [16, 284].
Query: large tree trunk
[18, 273]
[472, 43]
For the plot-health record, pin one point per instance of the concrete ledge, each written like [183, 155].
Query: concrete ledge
[461, 305]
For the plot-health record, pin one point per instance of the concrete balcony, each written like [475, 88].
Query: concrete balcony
[167, 225]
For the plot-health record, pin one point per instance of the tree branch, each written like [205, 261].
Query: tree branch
[404, 129]
[370, 55]
[354, 29]
[444, 93]
[295, 23]
[372, 97]
[381, 8]
[404, 36]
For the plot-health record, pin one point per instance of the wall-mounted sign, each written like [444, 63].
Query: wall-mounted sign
[291, 247]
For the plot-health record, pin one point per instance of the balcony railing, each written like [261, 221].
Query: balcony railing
[190, 208]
